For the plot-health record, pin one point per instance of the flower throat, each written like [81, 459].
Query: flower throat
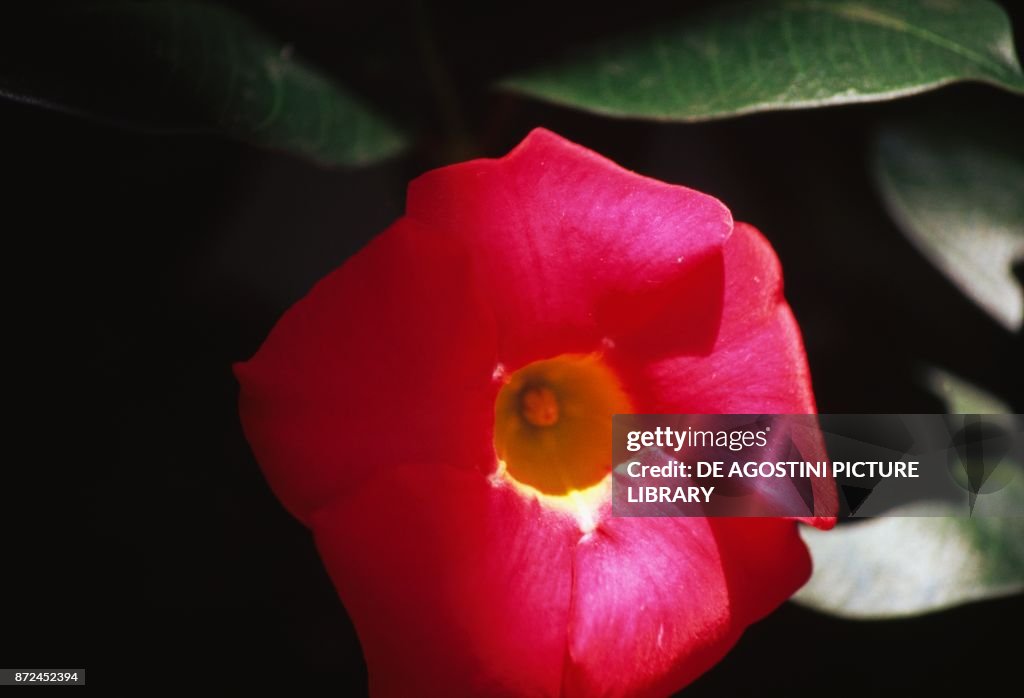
[553, 423]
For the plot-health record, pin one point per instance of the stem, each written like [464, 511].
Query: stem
[446, 97]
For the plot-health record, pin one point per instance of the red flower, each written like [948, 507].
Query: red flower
[438, 411]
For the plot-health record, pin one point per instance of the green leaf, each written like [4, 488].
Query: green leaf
[908, 565]
[958, 194]
[962, 397]
[785, 54]
[904, 564]
[187, 66]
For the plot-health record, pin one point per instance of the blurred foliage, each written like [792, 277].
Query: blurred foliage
[905, 563]
[955, 186]
[183, 65]
[188, 66]
[961, 396]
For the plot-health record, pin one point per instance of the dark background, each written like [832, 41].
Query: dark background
[140, 540]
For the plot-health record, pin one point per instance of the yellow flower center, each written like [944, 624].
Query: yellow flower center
[553, 424]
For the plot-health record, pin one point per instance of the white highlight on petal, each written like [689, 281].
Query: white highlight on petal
[584, 505]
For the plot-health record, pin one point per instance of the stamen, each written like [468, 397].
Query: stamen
[539, 406]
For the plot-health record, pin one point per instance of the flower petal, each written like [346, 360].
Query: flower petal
[388, 360]
[657, 602]
[455, 585]
[570, 248]
[756, 366]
